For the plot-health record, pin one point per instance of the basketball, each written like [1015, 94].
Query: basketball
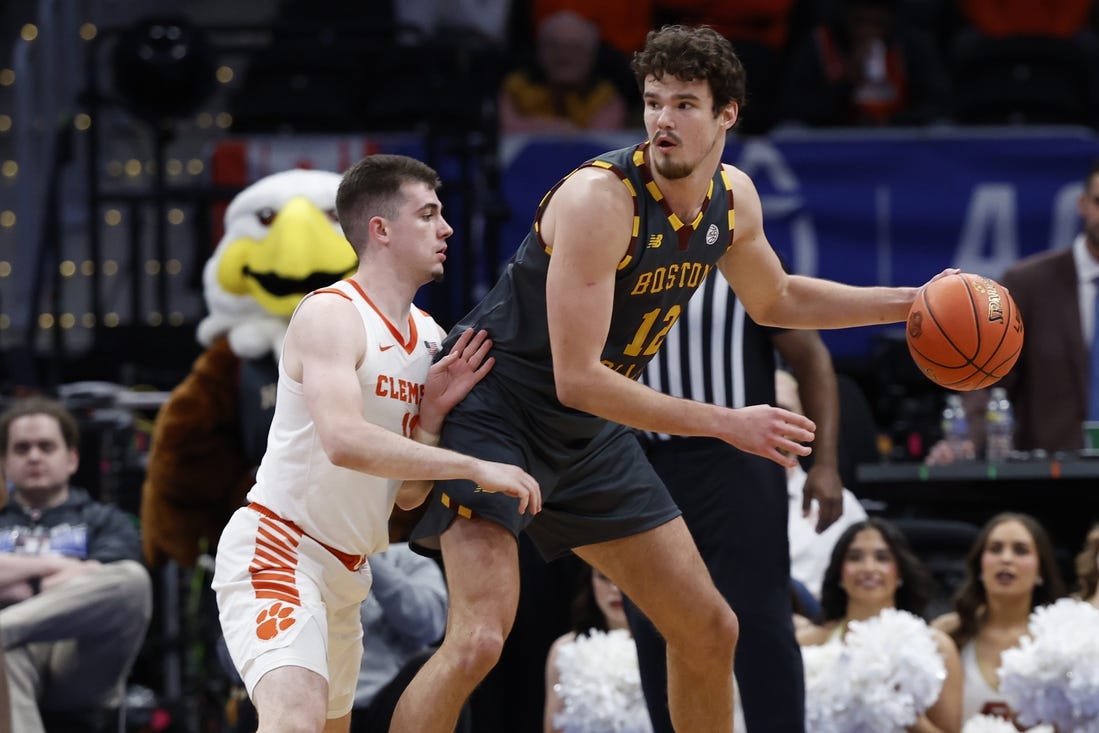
[964, 332]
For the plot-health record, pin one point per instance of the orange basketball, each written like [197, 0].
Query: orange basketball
[964, 332]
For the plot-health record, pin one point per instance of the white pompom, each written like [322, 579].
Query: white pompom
[879, 679]
[1053, 675]
[600, 686]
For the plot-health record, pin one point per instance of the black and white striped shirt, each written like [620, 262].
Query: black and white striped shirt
[715, 353]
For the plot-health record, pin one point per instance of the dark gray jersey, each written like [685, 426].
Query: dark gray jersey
[667, 259]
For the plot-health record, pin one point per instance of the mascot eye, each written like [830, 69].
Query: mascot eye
[331, 213]
[266, 216]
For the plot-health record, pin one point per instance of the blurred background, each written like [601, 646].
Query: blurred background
[889, 139]
[126, 126]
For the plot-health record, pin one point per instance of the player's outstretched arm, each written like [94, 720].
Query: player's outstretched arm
[324, 345]
[774, 298]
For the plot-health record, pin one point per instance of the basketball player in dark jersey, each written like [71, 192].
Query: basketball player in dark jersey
[614, 254]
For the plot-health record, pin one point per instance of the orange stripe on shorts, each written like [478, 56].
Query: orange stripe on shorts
[276, 550]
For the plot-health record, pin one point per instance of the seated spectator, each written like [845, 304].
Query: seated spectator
[403, 618]
[623, 24]
[866, 69]
[1010, 571]
[872, 569]
[1087, 568]
[561, 91]
[76, 599]
[810, 550]
[592, 681]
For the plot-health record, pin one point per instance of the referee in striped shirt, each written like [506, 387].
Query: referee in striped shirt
[734, 503]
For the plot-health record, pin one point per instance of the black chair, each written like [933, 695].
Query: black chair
[1024, 80]
[858, 433]
[82, 721]
[858, 439]
[942, 545]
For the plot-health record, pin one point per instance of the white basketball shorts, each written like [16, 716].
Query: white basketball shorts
[285, 599]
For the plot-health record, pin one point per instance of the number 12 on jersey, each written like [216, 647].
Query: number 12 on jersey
[648, 321]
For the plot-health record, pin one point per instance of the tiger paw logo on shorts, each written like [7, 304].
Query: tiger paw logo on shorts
[274, 620]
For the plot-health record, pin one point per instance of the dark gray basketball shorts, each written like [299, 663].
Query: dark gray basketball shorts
[593, 489]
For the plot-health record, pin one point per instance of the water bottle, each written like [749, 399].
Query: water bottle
[999, 426]
[955, 426]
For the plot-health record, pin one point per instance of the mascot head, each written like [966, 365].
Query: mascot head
[282, 240]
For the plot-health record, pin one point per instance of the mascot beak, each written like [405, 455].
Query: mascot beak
[303, 250]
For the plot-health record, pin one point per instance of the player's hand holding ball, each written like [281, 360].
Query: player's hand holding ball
[964, 331]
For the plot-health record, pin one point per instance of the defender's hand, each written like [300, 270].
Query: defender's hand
[451, 378]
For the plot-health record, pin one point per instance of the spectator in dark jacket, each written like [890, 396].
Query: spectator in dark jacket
[75, 598]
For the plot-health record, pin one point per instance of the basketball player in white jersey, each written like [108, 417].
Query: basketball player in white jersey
[358, 409]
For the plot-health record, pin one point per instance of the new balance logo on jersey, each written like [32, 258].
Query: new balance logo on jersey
[655, 240]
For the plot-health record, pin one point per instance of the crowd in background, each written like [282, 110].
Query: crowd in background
[821, 63]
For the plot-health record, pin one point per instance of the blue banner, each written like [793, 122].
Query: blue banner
[866, 207]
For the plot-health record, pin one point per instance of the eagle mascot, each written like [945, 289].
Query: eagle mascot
[282, 240]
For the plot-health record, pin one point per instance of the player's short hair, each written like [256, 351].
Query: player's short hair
[372, 187]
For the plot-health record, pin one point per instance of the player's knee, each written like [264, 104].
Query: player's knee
[726, 626]
[479, 650]
[711, 634]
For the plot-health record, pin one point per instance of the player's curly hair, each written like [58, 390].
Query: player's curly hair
[693, 53]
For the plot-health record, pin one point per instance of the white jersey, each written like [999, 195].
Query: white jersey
[345, 509]
[978, 696]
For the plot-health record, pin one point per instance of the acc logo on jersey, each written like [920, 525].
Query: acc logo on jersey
[711, 234]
